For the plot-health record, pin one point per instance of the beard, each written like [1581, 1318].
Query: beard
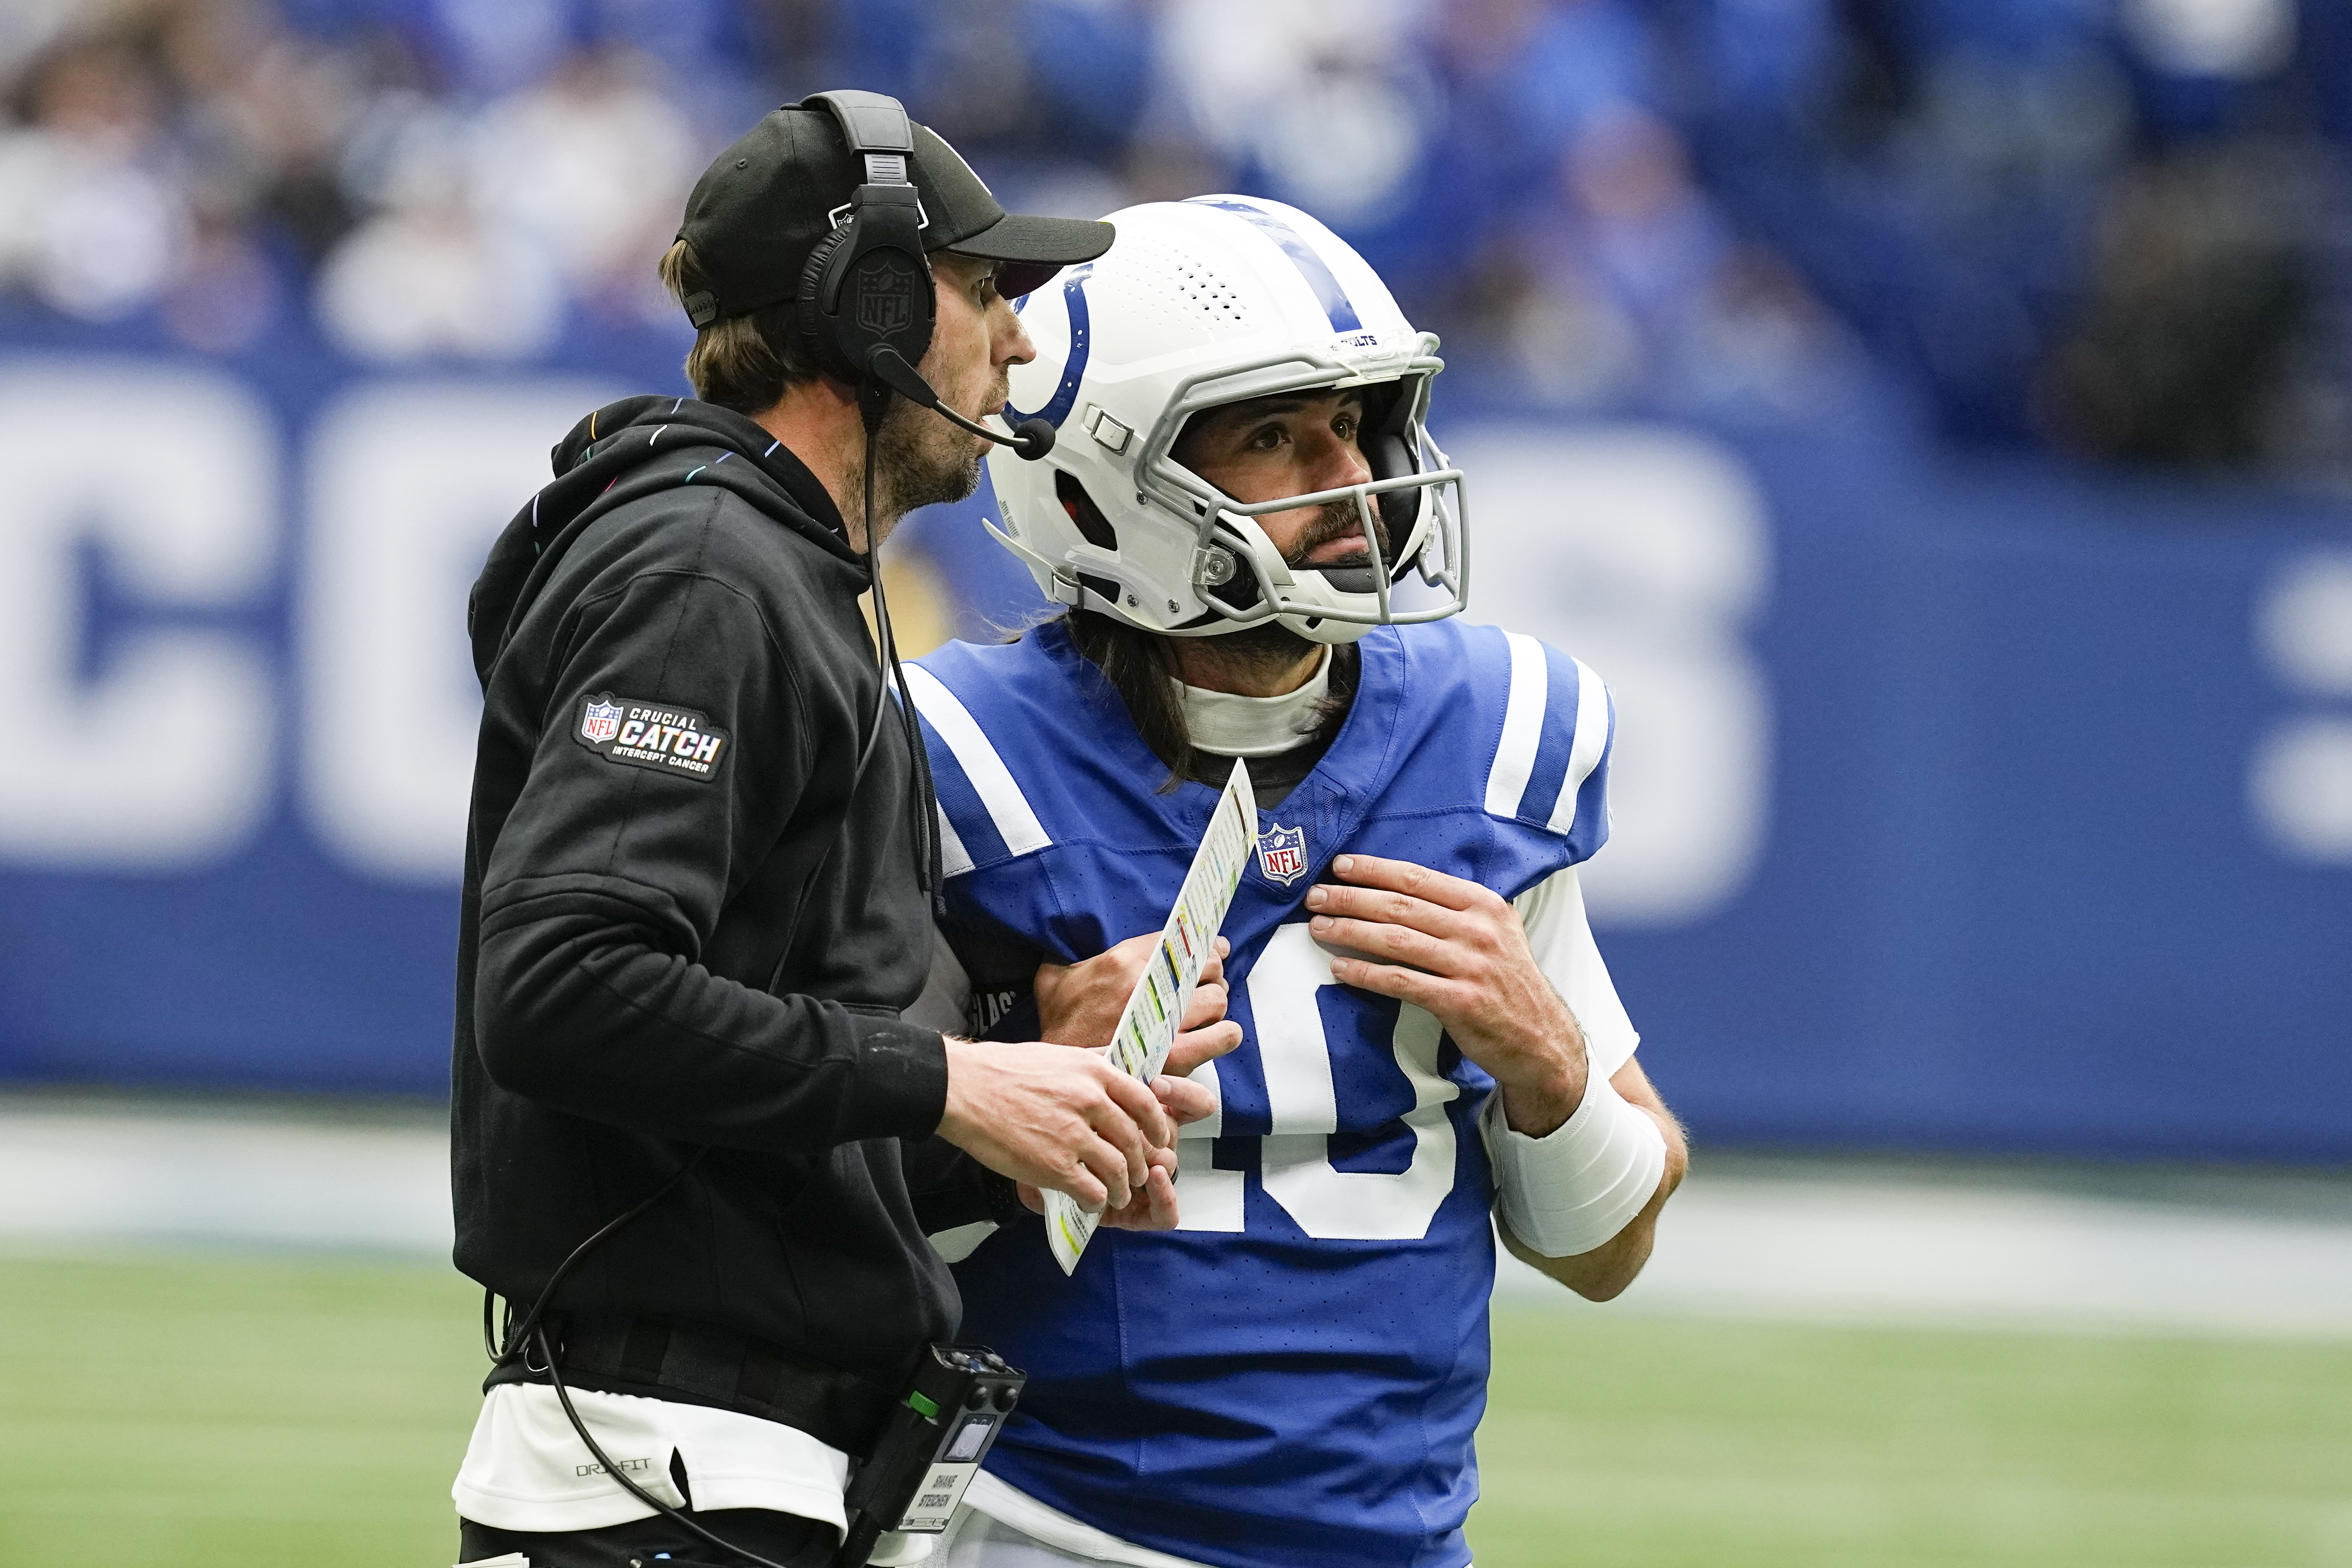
[1271, 646]
[920, 459]
[1337, 519]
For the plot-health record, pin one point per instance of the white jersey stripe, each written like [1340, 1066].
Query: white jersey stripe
[1584, 752]
[1515, 756]
[954, 858]
[1008, 808]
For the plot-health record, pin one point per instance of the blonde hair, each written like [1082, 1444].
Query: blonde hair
[745, 362]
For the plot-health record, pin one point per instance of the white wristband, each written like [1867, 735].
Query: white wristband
[1575, 1187]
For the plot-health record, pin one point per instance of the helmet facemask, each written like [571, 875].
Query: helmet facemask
[1407, 524]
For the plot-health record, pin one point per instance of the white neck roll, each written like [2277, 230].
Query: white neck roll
[1230, 725]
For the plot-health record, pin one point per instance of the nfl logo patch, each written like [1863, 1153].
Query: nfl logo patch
[1281, 854]
[885, 297]
[602, 721]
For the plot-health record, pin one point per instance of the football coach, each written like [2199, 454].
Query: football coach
[695, 1149]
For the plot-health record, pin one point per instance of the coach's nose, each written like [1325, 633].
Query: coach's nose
[1008, 338]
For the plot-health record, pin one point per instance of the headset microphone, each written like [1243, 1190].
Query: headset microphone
[1031, 438]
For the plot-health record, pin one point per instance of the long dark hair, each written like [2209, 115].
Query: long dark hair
[1142, 668]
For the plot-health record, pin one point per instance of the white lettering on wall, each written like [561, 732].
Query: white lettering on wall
[409, 484]
[1644, 552]
[165, 757]
[2299, 782]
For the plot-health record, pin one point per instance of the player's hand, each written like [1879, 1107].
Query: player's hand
[1054, 1118]
[1079, 1003]
[1153, 1208]
[1457, 951]
[1184, 1100]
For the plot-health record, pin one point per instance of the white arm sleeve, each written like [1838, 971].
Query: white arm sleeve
[1561, 938]
[1571, 1190]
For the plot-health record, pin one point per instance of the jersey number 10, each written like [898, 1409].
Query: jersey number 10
[1294, 1162]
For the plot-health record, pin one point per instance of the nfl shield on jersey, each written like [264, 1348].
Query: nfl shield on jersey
[1294, 1376]
[1282, 853]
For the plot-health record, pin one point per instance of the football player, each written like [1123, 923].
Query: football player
[1258, 548]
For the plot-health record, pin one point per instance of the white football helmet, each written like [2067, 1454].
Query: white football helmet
[1200, 303]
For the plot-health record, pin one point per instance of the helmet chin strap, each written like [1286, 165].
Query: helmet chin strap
[1274, 573]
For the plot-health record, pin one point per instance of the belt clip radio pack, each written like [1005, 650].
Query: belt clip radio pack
[936, 1438]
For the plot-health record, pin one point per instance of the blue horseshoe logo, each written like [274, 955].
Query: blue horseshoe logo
[1074, 369]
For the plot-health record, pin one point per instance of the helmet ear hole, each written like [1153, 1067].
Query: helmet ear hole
[1093, 526]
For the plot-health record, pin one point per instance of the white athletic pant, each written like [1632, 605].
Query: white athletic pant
[974, 1539]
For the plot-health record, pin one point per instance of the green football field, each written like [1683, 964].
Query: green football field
[217, 1413]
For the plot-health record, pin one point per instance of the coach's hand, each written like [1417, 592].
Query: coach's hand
[1079, 1004]
[1457, 951]
[1056, 1117]
[1154, 1206]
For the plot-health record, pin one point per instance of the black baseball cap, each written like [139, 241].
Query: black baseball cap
[763, 205]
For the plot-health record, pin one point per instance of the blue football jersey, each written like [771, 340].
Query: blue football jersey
[1296, 1376]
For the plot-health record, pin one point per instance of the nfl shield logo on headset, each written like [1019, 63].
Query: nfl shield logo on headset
[1281, 854]
[602, 721]
[886, 296]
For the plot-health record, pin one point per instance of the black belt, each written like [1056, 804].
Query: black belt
[710, 1366]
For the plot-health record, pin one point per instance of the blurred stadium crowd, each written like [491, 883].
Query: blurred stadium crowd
[2113, 227]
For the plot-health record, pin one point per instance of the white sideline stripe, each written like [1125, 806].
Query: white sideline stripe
[110, 1177]
[1515, 754]
[1006, 805]
[1868, 1245]
[1584, 751]
[1881, 1251]
[954, 858]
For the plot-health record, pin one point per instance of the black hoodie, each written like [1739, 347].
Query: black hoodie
[677, 683]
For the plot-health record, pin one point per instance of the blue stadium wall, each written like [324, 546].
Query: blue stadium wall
[1961, 806]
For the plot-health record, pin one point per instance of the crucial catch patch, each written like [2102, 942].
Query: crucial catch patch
[649, 735]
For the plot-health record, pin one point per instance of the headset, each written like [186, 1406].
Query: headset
[864, 311]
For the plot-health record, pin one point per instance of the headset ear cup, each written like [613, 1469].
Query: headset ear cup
[927, 308]
[819, 342]
[838, 344]
[901, 276]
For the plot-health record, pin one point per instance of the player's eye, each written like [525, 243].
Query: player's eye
[1267, 438]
